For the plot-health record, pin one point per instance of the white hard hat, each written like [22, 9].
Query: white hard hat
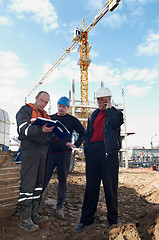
[103, 92]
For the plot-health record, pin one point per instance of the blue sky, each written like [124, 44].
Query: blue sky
[125, 54]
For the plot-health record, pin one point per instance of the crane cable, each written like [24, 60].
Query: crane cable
[97, 10]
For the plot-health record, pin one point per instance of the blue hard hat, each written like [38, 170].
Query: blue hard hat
[64, 101]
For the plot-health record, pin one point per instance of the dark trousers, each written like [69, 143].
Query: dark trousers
[100, 167]
[62, 162]
[33, 160]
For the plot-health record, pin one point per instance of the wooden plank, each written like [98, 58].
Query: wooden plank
[9, 185]
[9, 203]
[8, 169]
[9, 164]
[15, 182]
[10, 200]
[6, 176]
[8, 189]
[9, 195]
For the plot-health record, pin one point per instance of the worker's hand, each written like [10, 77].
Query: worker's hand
[108, 104]
[47, 129]
[68, 144]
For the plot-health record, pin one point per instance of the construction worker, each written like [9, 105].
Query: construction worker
[34, 146]
[59, 153]
[101, 146]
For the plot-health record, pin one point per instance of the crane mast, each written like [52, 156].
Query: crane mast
[84, 64]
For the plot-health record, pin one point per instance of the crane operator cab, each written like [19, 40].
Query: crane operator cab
[77, 34]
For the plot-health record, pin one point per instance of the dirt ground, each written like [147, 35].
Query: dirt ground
[138, 210]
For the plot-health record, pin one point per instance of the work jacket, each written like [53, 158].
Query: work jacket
[111, 130]
[25, 116]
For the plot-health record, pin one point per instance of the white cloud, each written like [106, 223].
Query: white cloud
[5, 21]
[41, 11]
[137, 11]
[11, 72]
[150, 46]
[138, 2]
[70, 70]
[94, 4]
[67, 70]
[135, 91]
[94, 54]
[104, 73]
[11, 68]
[114, 20]
[134, 74]
[53, 75]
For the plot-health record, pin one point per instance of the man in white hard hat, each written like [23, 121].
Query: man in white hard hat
[102, 144]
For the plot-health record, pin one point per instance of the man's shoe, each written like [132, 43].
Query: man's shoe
[81, 227]
[59, 208]
[59, 213]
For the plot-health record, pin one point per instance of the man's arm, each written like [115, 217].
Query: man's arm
[115, 117]
[81, 131]
[23, 118]
[24, 127]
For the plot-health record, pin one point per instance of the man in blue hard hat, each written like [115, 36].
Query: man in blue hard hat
[59, 153]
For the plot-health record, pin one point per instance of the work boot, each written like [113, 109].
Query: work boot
[37, 219]
[26, 222]
[59, 208]
[40, 205]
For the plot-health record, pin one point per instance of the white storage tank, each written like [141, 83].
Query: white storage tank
[4, 130]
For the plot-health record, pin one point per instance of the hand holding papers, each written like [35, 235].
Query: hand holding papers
[60, 130]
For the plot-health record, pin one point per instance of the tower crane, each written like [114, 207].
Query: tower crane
[81, 36]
